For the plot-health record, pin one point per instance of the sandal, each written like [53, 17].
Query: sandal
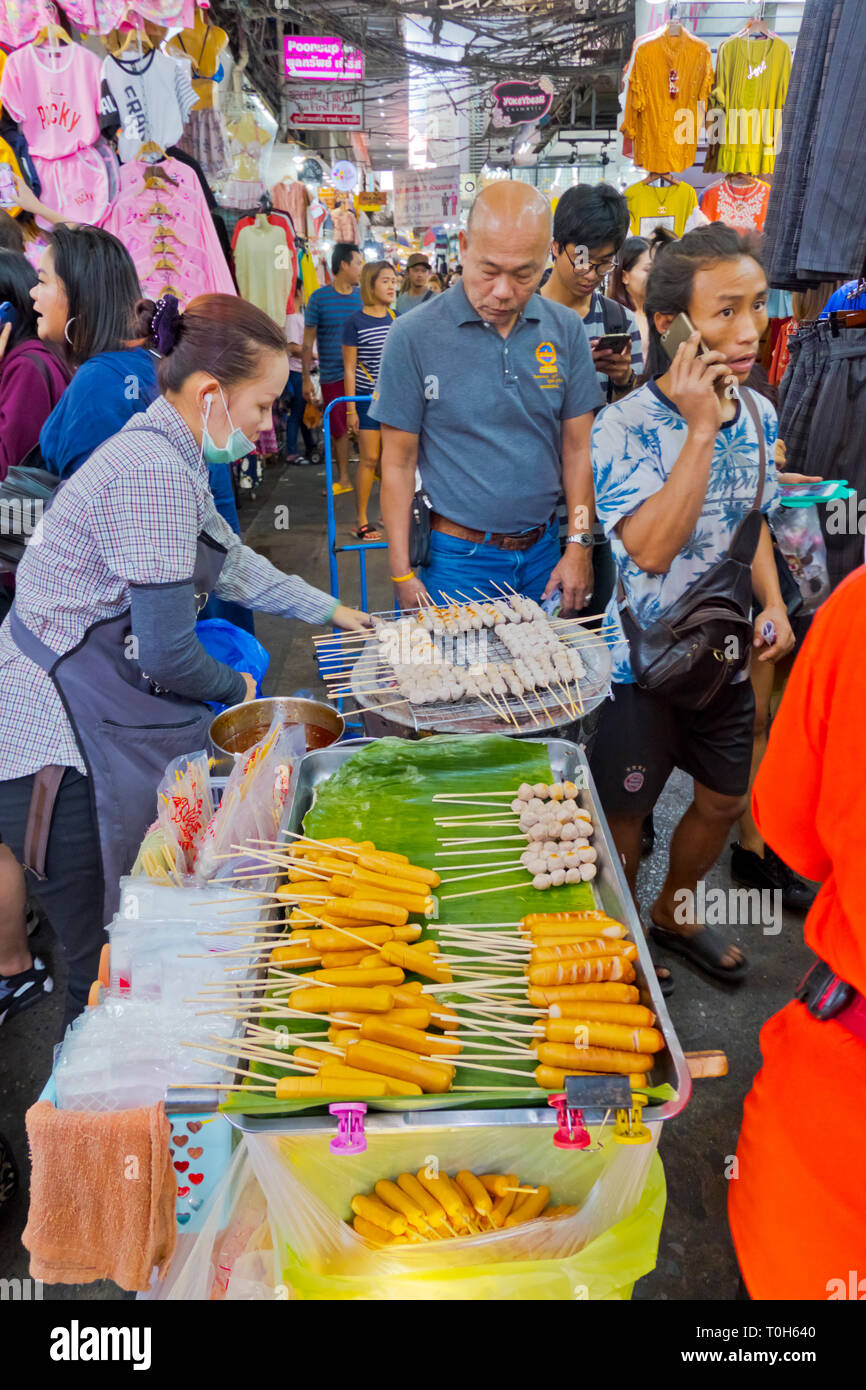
[665, 982]
[705, 948]
[366, 532]
[337, 489]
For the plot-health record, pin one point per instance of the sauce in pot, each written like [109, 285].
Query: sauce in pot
[316, 737]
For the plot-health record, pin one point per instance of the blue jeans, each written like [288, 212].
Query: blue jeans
[220, 479]
[293, 397]
[464, 565]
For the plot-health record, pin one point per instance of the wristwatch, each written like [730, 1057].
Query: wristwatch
[580, 538]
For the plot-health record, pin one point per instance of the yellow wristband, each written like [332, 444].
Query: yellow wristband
[401, 578]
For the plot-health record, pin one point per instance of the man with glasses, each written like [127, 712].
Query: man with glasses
[590, 224]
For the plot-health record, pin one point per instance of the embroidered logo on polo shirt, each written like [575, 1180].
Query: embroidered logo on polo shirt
[634, 778]
[548, 374]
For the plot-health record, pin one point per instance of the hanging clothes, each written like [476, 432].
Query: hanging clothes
[309, 278]
[164, 221]
[741, 206]
[282, 221]
[201, 45]
[247, 142]
[749, 91]
[669, 206]
[293, 197]
[264, 267]
[176, 152]
[147, 98]
[345, 224]
[670, 76]
[816, 221]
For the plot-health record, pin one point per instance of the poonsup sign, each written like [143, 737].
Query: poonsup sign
[517, 103]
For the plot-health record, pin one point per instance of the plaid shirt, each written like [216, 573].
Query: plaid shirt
[131, 515]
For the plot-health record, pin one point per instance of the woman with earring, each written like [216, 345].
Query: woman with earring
[102, 674]
[89, 306]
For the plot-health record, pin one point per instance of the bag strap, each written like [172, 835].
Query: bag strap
[752, 408]
[611, 310]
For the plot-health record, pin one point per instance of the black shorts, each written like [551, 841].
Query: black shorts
[641, 739]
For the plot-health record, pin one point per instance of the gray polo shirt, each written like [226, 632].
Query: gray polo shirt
[488, 410]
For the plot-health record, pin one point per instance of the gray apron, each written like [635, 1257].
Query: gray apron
[126, 727]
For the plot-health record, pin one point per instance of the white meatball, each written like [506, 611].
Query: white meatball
[536, 804]
[541, 790]
[527, 857]
[587, 871]
[570, 805]
[570, 859]
[557, 877]
[528, 818]
[555, 791]
[524, 791]
[568, 832]
[549, 847]
[536, 832]
[562, 813]
[554, 861]
[517, 806]
[541, 881]
[569, 788]
[588, 856]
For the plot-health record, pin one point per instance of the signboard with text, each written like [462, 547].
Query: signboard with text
[317, 108]
[423, 197]
[313, 58]
[518, 103]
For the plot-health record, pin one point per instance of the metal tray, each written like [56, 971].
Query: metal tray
[568, 762]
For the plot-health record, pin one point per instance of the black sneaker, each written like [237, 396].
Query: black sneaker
[771, 873]
[21, 991]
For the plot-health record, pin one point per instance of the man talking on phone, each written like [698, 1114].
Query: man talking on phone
[589, 227]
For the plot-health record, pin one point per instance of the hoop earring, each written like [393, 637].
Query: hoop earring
[66, 330]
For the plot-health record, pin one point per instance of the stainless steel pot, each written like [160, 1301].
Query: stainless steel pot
[236, 730]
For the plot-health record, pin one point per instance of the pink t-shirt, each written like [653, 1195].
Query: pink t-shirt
[54, 97]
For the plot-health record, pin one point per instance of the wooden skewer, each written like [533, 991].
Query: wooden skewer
[487, 873]
[503, 887]
[218, 1086]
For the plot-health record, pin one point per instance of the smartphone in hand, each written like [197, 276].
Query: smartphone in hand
[678, 333]
[613, 342]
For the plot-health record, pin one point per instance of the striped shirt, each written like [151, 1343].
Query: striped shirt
[594, 326]
[367, 333]
[327, 311]
[130, 515]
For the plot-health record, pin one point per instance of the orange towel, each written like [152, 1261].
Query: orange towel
[102, 1196]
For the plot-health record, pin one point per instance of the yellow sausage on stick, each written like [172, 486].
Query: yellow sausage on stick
[578, 971]
[381, 864]
[433, 1077]
[360, 910]
[393, 1086]
[374, 1234]
[600, 1011]
[582, 1033]
[411, 1018]
[433, 1210]
[330, 940]
[322, 999]
[418, 962]
[340, 960]
[533, 1205]
[297, 1087]
[589, 947]
[604, 1059]
[553, 1078]
[359, 975]
[614, 993]
[382, 1030]
[394, 1196]
[476, 1192]
[373, 1210]
[445, 1193]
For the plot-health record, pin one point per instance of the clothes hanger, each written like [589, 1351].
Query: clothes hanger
[53, 32]
[149, 152]
[662, 179]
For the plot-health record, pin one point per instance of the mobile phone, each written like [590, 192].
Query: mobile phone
[613, 342]
[678, 333]
[8, 191]
[8, 313]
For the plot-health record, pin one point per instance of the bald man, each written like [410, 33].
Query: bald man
[488, 391]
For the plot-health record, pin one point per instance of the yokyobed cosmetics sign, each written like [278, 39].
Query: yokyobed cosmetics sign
[516, 102]
[317, 59]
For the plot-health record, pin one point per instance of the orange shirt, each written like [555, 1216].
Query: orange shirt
[798, 1207]
[671, 74]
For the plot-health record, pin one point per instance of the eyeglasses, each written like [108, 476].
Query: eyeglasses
[598, 268]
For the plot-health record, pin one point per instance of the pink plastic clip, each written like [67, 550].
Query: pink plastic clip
[571, 1133]
[350, 1137]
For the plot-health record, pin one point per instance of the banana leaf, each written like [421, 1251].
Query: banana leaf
[384, 793]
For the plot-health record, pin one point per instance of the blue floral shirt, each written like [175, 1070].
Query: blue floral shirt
[635, 444]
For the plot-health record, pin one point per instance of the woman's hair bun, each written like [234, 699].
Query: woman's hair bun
[166, 324]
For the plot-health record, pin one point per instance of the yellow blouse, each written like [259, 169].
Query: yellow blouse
[749, 92]
[671, 74]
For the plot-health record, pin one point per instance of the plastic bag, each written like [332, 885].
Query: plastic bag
[235, 647]
[185, 807]
[252, 804]
[798, 535]
[232, 1257]
[598, 1253]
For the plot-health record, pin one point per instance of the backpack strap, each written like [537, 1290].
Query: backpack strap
[752, 408]
[614, 316]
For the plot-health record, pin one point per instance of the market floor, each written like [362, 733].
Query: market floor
[696, 1259]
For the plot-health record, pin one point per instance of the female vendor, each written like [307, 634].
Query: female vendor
[102, 675]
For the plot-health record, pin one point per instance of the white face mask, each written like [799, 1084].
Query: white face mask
[237, 446]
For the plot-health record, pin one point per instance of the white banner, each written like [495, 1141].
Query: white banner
[426, 197]
[324, 108]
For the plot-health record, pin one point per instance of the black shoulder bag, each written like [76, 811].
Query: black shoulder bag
[704, 639]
